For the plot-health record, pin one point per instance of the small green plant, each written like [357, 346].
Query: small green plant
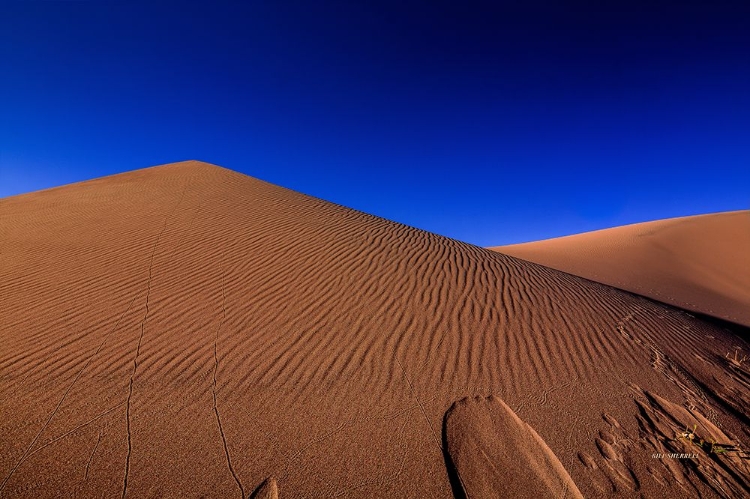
[736, 359]
[710, 446]
[690, 436]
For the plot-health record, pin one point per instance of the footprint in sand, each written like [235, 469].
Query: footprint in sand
[491, 452]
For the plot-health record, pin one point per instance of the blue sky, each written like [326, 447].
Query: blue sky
[490, 122]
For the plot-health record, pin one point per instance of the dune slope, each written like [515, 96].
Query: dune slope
[699, 263]
[185, 330]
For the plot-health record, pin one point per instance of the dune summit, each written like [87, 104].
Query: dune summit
[699, 263]
[185, 330]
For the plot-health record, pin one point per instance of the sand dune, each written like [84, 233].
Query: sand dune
[699, 263]
[185, 331]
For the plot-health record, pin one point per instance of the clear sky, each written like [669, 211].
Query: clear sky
[490, 122]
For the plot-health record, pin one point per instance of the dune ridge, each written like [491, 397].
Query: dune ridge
[186, 317]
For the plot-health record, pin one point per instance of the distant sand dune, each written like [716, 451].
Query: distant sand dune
[700, 263]
[186, 330]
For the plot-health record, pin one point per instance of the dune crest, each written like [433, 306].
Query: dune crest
[496, 454]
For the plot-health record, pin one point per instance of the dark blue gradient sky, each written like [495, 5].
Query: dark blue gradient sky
[490, 122]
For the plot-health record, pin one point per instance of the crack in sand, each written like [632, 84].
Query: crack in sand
[216, 368]
[421, 407]
[28, 452]
[138, 347]
[91, 457]
[82, 425]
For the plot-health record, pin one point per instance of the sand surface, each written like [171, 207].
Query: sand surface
[495, 454]
[188, 331]
[699, 263]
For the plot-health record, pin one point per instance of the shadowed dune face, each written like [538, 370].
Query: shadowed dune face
[700, 263]
[495, 454]
[187, 330]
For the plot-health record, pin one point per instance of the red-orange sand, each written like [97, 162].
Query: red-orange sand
[495, 454]
[188, 331]
[699, 263]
